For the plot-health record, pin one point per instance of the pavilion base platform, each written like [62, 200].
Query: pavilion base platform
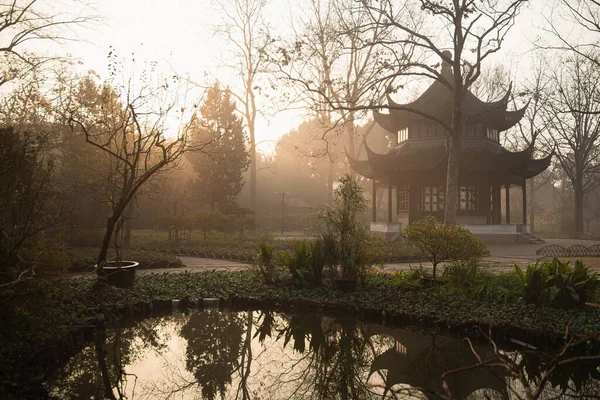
[386, 230]
[505, 233]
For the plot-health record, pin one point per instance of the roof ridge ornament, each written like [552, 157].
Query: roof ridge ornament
[446, 71]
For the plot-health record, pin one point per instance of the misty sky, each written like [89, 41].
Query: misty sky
[178, 34]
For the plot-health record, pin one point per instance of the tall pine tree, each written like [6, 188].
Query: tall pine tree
[219, 167]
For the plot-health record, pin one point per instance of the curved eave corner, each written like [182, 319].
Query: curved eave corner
[385, 121]
[361, 167]
[536, 167]
[511, 118]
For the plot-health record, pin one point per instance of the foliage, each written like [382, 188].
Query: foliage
[342, 227]
[265, 263]
[557, 283]
[469, 280]
[29, 212]
[208, 220]
[224, 156]
[438, 242]
[298, 262]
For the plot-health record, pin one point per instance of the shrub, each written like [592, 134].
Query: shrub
[557, 283]
[467, 279]
[265, 263]
[342, 228]
[439, 243]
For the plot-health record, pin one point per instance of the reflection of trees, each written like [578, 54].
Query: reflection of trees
[335, 358]
[98, 370]
[301, 356]
[214, 343]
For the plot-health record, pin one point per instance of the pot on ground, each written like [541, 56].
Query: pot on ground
[120, 273]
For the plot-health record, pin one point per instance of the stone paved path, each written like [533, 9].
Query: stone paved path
[502, 258]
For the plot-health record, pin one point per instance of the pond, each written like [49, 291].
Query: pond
[220, 354]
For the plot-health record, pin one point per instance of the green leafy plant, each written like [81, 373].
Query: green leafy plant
[440, 243]
[557, 283]
[345, 236]
[318, 259]
[298, 262]
[265, 264]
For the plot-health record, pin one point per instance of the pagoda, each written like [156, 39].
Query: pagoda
[415, 169]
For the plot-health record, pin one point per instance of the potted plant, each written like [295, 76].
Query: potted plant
[345, 237]
[119, 273]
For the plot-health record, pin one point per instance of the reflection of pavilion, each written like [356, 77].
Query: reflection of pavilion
[419, 360]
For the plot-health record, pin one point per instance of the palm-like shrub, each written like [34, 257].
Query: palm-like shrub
[557, 283]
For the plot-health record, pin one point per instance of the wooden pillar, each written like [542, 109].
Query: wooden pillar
[507, 192]
[525, 201]
[390, 209]
[412, 203]
[374, 200]
[496, 202]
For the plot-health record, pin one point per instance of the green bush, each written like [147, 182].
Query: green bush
[265, 263]
[343, 228]
[469, 280]
[557, 284]
[440, 243]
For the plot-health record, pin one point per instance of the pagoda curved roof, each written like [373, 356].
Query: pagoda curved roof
[436, 104]
[480, 156]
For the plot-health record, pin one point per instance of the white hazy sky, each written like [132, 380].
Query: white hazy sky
[178, 34]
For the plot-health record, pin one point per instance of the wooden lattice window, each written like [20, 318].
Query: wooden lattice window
[467, 198]
[403, 199]
[432, 198]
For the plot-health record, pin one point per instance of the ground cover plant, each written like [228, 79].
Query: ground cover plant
[51, 309]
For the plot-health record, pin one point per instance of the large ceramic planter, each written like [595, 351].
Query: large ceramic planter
[120, 274]
[345, 285]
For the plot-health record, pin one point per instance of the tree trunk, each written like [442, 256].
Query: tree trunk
[349, 127]
[531, 204]
[452, 180]
[578, 208]
[330, 165]
[127, 230]
[110, 227]
[100, 340]
[252, 167]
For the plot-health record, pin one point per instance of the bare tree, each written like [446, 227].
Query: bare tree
[575, 24]
[532, 128]
[332, 59]
[573, 125]
[25, 21]
[246, 30]
[129, 128]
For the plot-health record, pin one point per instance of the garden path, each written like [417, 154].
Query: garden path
[502, 258]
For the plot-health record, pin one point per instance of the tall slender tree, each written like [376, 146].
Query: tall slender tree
[244, 27]
[224, 158]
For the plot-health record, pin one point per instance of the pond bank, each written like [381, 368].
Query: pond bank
[68, 309]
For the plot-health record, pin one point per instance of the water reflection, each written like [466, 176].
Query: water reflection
[249, 355]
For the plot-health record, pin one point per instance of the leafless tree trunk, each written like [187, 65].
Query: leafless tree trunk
[133, 138]
[244, 27]
[572, 116]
